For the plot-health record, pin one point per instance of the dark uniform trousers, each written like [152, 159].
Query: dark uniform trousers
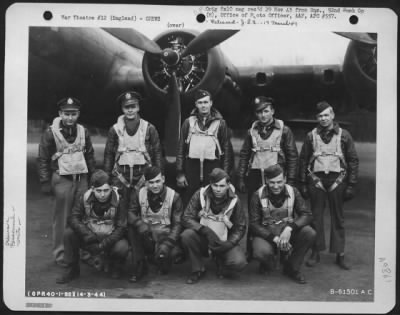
[335, 202]
[253, 183]
[65, 191]
[192, 173]
[196, 246]
[158, 235]
[117, 253]
[301, 240]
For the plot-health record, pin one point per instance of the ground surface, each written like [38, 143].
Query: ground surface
[360, 226]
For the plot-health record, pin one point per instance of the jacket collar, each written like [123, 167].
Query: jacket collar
[161, 195]
[214, 114]
[335, 128]
[274, 124]
[113, 200]
[267, 193]
[229, 195]
[137, 118]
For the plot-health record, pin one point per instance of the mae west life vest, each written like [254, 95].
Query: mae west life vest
[266, 150]
[104, 225]
[132, 149]
[163, 216]
[219, 223]
[277, 217]
[203, 144]
[327, 156]
[69, 156]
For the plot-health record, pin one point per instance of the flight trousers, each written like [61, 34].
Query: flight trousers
[124, 191]
[195, 246]
[318, 198]
[66, 190]
[301, 240]
[139, 251]
[117, 253]
[192, 173]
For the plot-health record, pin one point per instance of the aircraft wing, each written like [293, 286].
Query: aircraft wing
[87, 63]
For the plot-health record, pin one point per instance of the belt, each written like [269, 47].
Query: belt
[76, 177]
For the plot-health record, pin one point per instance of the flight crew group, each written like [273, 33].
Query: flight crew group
[127, 207]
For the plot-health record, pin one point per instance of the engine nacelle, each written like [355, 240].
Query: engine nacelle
[359, 71]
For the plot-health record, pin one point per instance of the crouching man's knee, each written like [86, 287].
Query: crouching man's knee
[120, 249]
[235, 259]
[188, 236]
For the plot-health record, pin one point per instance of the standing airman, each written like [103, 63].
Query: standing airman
[204, 145]
[66, 157]
[328, 171]
[132, 145]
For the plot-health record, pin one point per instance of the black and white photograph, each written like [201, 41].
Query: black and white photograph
[178, 162]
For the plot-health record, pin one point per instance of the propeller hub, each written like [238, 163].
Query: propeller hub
[170, 57]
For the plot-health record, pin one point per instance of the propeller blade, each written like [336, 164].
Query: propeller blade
[207, 40]
[358, 37]
[172, 121]
[135, 39]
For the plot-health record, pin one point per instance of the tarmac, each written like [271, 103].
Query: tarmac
[325, 282]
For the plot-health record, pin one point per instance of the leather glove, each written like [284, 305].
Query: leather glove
[162, 252]
[95, 248]
[241, 185]
[304, 191]
[142, 227]
[212, 238]
[46, 188]
[168, 242]
[90, 238]
[223, 247]
[349, 193]
[148, 243]
[181, 181]
[162, 257]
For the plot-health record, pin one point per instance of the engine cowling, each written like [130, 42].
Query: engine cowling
[201, 71]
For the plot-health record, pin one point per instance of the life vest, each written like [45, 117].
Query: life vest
[273, 217]
[219, 223]
[163, 216]
[104, 225]
[131, 149]
[203, 144]
[70, 157]
[266, 150]
[327, 156]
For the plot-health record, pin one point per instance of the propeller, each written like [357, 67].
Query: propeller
[207, 40]
[173, 120]
[135, 39]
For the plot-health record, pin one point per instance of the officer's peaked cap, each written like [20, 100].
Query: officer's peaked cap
[69, 104]
[261, 102]
[128, 98]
